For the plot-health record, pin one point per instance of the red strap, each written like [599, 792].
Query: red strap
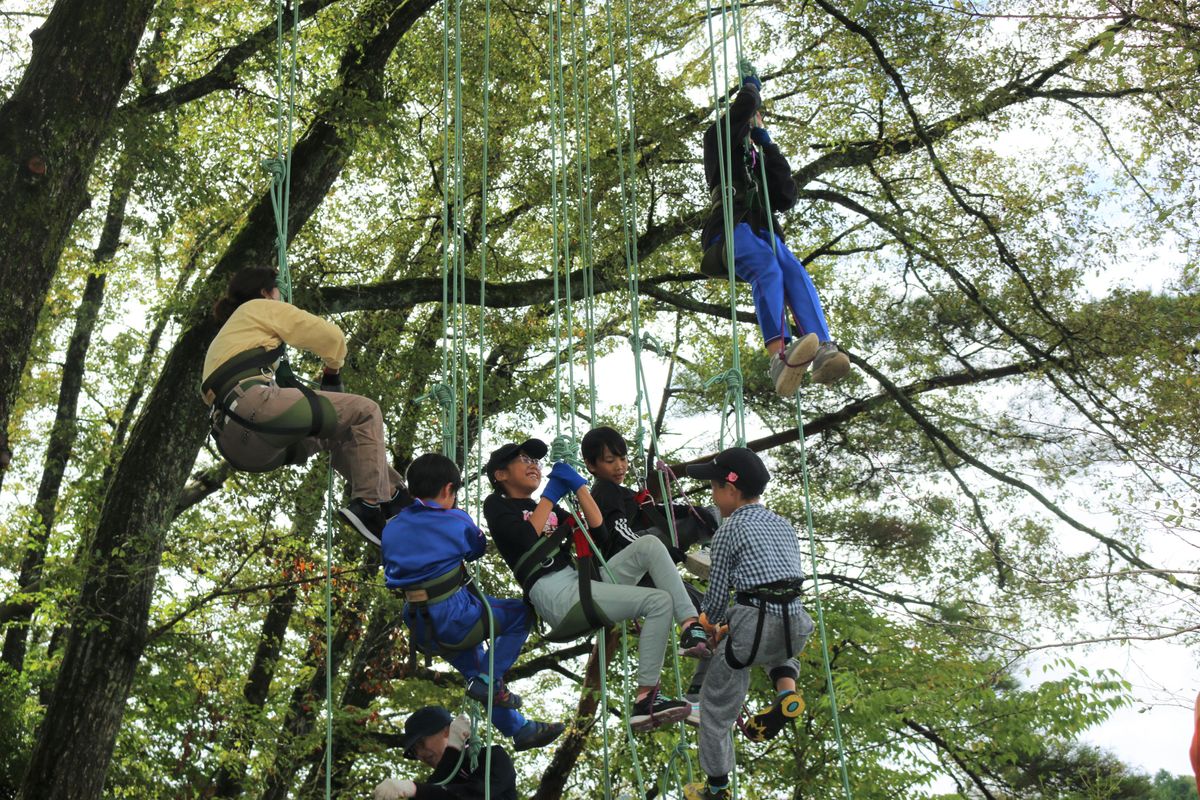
[643, 497]
[583, 548]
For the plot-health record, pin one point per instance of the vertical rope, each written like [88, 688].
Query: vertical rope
[812, 549]
[732, 378]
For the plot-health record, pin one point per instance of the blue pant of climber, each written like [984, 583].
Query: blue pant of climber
[777, 280]
[455, 618]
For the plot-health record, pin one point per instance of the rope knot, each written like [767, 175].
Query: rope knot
[440, 393]
[732, 378]
[566, 448]
[276, 168]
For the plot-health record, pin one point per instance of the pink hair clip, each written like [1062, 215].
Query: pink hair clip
[731, 477]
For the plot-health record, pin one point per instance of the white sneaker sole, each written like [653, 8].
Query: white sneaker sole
[796, 360]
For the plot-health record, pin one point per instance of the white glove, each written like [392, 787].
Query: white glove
[392, 789]
[460, 732]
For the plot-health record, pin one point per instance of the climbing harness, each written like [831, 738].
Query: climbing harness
[779, 593]
[420, 597]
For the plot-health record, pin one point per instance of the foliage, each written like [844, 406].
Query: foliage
[998, 208]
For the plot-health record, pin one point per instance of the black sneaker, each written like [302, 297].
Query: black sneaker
[477, 690]
[536, 734]
[400, 500]
[366, 519]
[766, 725]
[693, 642]
[654, 710]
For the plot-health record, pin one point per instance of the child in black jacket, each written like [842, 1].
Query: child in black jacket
[777, 279]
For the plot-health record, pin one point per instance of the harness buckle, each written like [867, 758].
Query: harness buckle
[416, 595]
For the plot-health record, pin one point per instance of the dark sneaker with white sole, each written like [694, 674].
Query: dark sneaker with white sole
[693, 642]
[366, 519]
[536, 734]
[477, 690]
[654, 710]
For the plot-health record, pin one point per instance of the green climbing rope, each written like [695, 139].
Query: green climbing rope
[280, 169]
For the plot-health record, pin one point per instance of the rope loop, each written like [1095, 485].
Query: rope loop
[732, 378]
[442, 394]
[566, 448]
[276, 168]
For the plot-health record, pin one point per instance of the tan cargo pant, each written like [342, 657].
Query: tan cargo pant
[356, 444]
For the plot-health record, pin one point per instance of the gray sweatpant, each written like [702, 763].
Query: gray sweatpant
[557, 593]
[725, 688]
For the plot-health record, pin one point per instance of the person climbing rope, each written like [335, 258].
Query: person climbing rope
[263, 417]
[424, 549]
[527, 534]
[755, 553]
[777, 279]
[432, 737]
[629, 515]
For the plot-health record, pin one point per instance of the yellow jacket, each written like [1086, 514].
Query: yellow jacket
[267, 323]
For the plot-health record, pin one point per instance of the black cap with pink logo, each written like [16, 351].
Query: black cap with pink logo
[737, 465]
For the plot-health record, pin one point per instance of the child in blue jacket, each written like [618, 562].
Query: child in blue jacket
[425, 548]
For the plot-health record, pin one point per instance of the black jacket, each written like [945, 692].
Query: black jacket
[748, 206]
[467, 784]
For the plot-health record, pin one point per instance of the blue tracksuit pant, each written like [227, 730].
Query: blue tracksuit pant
[777, 281]
[454, 618]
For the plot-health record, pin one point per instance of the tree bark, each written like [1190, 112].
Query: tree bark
[51, 128]
[567, 753]
[58, 454]
[109, 626]
[62, 433]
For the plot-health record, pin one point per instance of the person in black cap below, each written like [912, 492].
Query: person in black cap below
[517, 523]
[755, 554]
[432, 737]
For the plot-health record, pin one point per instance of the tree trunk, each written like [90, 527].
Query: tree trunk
[51, 128]
[567, 753]
[58, 453]
[109, 626]
[62, 433]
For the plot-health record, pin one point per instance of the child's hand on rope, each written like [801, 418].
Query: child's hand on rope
[564, 472]
[760, 136]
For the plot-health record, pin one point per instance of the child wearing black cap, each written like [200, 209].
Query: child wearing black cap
[518, 524]
[432, 737]
[754, 554]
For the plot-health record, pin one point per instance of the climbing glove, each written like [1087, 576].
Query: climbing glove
[331, 381]
[760, 136]
[564, 472]
[556, 489]
[752, 80]
[392, 789]
[460, 732]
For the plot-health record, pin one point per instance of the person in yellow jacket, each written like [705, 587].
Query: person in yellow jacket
[263, 419]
